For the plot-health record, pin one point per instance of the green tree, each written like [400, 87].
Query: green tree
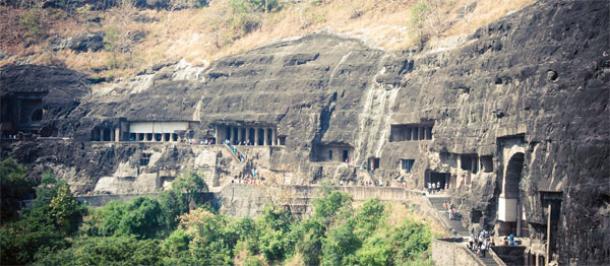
[306, 238]
[409, 241]
[14, 187]
[175, 248]
[212, 245]
[376, 250]
[54, 215]
[368, 218]
[185, 194]
[115, 250]
[141, 217]
[340, 243]
[331, 204]
[65, 209]
[274, 225]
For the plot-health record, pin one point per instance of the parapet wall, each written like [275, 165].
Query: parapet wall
[451, 254]
[249, 200]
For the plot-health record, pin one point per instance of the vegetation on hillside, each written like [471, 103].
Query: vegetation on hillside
[177, 229]
[201, 31]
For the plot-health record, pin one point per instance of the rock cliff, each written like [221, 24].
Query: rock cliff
[515, 114]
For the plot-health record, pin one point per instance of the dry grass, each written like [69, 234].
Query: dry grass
[203, 35]
[398, 213]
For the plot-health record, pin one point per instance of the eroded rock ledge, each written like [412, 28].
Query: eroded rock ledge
[513, 120]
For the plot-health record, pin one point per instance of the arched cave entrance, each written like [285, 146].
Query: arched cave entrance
[509, 215]
[36, 116]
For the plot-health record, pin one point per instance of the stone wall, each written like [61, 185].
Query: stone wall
[448, 253]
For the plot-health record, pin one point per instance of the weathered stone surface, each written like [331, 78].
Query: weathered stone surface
[63, 90]
[88, 42]
[530, 90]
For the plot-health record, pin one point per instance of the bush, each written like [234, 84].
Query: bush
[368, 218]
[33, 24]
[420, 13]
[410, 240]
[141, 218]
[116, 250]
[327, 207]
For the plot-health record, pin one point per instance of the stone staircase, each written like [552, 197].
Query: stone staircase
[488, 260]
[239, 156]
[456, 225]
[458, 229]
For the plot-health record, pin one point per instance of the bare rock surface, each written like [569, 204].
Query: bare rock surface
[524, 98]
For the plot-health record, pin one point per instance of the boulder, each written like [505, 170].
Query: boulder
[137, 36]
[90, 42]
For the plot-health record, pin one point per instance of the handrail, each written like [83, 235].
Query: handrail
[240, 156]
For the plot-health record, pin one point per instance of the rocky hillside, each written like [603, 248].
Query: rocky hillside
[514, 111]
[117, 39]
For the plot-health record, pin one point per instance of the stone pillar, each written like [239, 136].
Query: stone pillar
[413, 133]
[255, 136]
[265, 137]
[117, 134]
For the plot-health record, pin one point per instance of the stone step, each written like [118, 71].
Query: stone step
[488, 260]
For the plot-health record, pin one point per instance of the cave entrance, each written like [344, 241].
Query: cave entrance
[551, 204]
[510, 215]
[106, 134]
[261, 137]
[36, 115]
[251, 136]
[438, 179]
[374, 163]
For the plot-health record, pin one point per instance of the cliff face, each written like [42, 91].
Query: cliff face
[519, 110]
[534, 83]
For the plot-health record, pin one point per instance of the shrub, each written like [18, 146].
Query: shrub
[141, 217]
[419, 15]
[116, 250]
[327, 207]
[410, 240]
[32, 22]
[368, 218]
